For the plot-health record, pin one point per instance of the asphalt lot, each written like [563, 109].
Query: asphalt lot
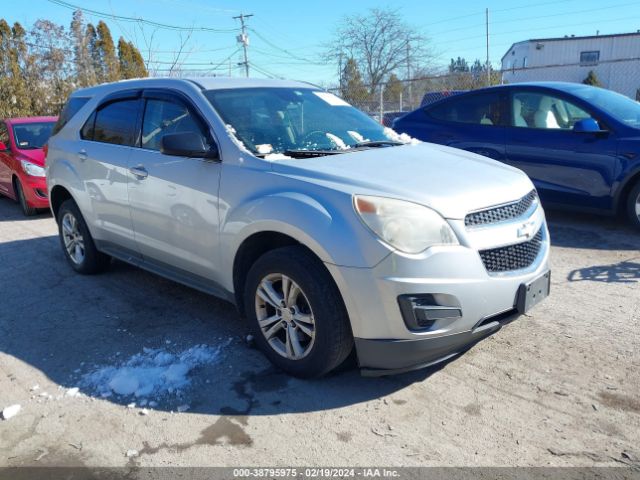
[558, 387]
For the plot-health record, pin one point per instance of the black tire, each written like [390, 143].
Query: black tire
[22, 200]
[92, 261]
[632, 201]
[333, 340]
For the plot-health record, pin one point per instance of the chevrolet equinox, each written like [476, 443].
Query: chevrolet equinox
[326, 230]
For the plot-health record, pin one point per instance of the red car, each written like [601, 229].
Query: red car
[22, 161]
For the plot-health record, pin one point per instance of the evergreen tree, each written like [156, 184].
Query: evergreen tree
[131, 63]
[393, 90]
[83, 62]
[108, 69]
[592, 79]
[352, 88]
[458, 65]
[20, 67]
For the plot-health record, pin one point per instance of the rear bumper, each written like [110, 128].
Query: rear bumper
[386, 357]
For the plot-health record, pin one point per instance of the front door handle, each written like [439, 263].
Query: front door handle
[82, 155]
[140, 172]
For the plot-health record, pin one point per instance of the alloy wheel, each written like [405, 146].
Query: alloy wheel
[73, 239]
[284, 316]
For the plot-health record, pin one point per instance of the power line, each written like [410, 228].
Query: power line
[140, 20]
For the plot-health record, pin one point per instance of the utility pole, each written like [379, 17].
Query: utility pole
[243, 38]
[488, 64]
[409, 82]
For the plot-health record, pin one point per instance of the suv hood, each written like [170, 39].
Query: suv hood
[453, 182]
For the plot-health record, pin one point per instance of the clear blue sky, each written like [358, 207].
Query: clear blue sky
[289, 36]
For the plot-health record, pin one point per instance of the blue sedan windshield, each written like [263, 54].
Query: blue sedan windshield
[618, 106]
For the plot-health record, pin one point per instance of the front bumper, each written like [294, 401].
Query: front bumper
[385, 357]
[35, 191]
[481, 302]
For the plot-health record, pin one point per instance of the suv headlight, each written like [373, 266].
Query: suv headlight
[406, 226]
[32, 169]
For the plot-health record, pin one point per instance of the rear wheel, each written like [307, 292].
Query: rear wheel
[296, 313]
[77, 244]
[22, 200]
[633, 206]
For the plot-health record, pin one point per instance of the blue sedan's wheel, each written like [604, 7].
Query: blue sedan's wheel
[633, 206]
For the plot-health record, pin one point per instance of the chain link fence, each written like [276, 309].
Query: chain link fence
[389, 100]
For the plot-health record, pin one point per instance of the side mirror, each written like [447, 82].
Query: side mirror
[587, 125]
[3, 147]
[188, 144]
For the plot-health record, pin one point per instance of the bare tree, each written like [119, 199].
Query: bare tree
[381, 43]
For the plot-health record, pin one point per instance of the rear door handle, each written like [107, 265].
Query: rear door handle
[82, 154]
[140, 172]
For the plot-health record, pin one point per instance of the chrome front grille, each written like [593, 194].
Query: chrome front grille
[501, 213]
[513, 257]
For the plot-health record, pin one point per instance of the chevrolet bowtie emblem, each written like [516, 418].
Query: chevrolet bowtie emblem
[526, 230]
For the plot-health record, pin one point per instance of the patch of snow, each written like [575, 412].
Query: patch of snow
[337, 141]
[277, 156]
[131, 453]
[35, 387]
[234, 138]
[144, 412]
[183, 408]
[72, 392]
[356, 136]
[132, 405]
[391, 134]
[10, 411]
[153, 372]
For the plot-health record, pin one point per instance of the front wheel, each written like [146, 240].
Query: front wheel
[633, 206]
[296, 313]
[77, 243]
[27, 210]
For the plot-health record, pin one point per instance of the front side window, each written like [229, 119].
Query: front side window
[590, 58]
[163, 117]
[480, 109]
[276, 120]
[542, 110]
[30, 136]
[618, 106]
[114, 123]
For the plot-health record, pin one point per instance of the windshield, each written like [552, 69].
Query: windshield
[31, 136]
[270, 121]
[618, 106]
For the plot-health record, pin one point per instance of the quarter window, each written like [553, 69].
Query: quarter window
[72, 107]
[114, 123]
[481, 109]
[164, 117]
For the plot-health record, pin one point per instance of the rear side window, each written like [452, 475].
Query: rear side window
[114, 123]
[480, 109]
[72, 107]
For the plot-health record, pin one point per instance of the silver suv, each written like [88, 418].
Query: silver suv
[326, 230]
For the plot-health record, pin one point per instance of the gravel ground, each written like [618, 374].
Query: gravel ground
[559, 387]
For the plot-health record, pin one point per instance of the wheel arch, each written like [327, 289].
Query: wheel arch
[251, 249]
[57, 197]
[624, 190]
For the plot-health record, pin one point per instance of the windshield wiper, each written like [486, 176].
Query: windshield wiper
[312, 153]
[377, 143]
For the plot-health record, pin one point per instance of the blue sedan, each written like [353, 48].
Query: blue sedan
[579, 144]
